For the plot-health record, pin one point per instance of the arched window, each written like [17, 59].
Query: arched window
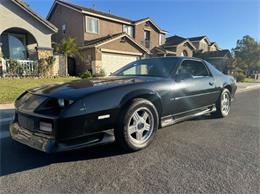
[184, 53]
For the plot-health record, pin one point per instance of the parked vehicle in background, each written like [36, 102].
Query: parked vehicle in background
[134, 102]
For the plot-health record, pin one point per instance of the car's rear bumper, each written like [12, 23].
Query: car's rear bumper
[48, 144]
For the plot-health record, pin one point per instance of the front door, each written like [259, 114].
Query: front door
[194, 87]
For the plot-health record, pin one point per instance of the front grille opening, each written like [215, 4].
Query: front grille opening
[50, 107]
[26, 122]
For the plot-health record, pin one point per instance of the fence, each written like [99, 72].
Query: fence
[19, 67]
[13, 68]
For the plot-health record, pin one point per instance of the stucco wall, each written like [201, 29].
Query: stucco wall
[212, 48]
[120, 45]
[84, 63]
[59, 66]
[154, 34]
[203, 45]
[184, 47]
[73, 21]
[12, 16]
[92, 57]
[106, 27]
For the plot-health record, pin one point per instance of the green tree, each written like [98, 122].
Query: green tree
[68, 48]
[247, 53]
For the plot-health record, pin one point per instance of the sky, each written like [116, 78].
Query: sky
[223, 21]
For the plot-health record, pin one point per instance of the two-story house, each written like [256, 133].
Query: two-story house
[213, 47]
[201, 43]
[106, 41]
[175, 46]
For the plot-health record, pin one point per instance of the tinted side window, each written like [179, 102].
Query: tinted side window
[195, 68]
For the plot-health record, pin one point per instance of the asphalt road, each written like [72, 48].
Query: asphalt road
[202, 155]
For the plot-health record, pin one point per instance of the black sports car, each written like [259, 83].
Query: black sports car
[130, 105]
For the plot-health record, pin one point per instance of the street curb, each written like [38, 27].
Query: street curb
[248, 88]
[6, 106]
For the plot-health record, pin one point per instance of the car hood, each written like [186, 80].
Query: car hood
[80, 88]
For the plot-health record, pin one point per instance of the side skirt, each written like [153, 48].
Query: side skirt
[172, 119]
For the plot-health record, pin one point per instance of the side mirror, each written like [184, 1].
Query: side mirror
[182, 76]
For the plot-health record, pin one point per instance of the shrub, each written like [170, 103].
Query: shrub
[239, 76]
[45, 65]
[101, 73]
[86, 75]
[14, 68]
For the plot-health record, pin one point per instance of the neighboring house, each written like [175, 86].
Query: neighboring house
[106, 41]
[213, 47]
[201, 43]
[221, 59]
[175, 46]
[25, 36]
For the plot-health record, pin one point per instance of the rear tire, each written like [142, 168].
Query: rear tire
[223, 104]
[137, 125]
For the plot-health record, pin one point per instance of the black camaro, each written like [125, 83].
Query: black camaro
[130, 105]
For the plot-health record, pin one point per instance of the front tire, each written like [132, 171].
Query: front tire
[137, 125]
[223, 104]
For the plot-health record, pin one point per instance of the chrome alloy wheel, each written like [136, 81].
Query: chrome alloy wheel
[225, 104]
[140, 125]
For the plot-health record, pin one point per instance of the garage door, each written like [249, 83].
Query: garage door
[112, 62]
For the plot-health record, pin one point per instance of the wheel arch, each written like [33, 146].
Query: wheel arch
[227, 86]
[145, 94]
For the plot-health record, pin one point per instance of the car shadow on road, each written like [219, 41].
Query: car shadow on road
[16, 157]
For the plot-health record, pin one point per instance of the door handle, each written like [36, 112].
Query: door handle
[211, 83]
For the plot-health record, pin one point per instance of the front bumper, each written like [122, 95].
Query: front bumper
[34, 140]
[48, 144]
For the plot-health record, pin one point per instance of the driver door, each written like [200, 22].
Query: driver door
[194, 87]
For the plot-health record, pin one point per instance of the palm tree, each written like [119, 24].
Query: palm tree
[68, 48]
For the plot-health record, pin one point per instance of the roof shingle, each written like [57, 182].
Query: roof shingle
[197, 38]
[174, 40]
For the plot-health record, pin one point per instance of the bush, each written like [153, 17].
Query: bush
[86, 75]
[14, 68]
[239, 76]
[45, 66]
[101, 73]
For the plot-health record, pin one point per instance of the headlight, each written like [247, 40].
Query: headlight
[62, 103]
[45, 126]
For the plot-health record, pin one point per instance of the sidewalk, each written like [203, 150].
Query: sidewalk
[241, 87]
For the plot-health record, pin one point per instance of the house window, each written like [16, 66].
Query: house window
[161, 39]
[92, 25]
[147, 39]
[184, 53]
[17, 46]
[63, 28]
[129, 30]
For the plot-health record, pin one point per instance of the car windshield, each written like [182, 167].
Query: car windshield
[157, 67]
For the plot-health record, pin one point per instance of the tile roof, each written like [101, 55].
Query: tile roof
[212, 43]
[98, 41]
[105, 14]
[93, 42]
[25, 6]
[174, 40]
[197, 38]
[79, 7]
[215, 54]
[161, 50]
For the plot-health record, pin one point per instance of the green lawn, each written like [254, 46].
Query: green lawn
[11, 88]
[249, 80]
